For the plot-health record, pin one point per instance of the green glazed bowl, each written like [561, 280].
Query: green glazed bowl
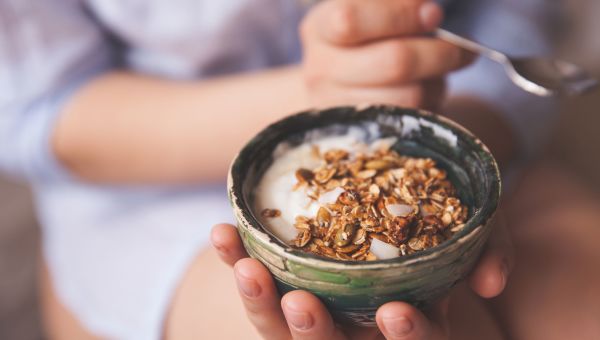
[354, 290]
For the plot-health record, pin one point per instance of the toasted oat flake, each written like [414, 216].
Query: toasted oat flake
[270, 213]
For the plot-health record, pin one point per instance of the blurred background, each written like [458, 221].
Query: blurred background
[574, 146]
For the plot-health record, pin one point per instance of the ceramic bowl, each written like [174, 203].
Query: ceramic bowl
[353, 291]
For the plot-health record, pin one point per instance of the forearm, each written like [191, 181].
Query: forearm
[128, 128]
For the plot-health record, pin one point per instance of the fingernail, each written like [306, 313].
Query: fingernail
[247, 286]
[431, 15]
[398, 326]
[300, 320]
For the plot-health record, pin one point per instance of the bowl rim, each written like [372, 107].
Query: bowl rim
[245, 216]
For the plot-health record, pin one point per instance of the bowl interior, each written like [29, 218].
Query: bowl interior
[469, 164]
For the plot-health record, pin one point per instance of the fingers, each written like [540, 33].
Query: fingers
[260, 298]
[490, 276]
[401, 321]
[358, 52]
[388, 62]
[308, 318]
[227, 242]
[351, 22]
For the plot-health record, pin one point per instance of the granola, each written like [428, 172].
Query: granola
[374, 204]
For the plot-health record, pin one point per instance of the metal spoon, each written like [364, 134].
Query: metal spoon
[540, 76]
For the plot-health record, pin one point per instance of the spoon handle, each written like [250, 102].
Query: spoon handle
[470, 45]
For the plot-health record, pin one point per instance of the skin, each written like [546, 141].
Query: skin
[121, 114]
[552, 292]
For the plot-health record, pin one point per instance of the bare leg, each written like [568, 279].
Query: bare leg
[207, 304]
[469, 318]
[554, 290]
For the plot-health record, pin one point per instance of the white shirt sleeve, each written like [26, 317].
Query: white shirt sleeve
[518, 28]
[47, 49]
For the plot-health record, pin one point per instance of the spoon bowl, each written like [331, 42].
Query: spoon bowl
[548, 77]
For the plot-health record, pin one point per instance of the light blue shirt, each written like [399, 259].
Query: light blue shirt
[116, 254]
